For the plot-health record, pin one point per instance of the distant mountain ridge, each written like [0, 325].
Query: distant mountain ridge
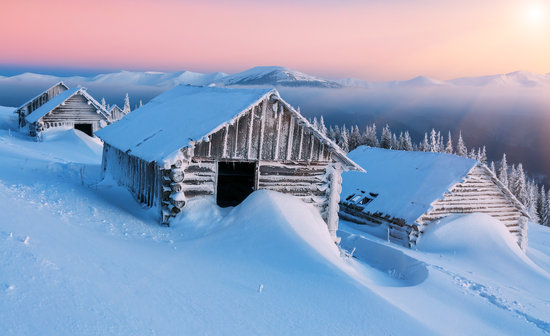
[276, 76]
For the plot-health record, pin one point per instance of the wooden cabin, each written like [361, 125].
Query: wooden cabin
[116, 113]
[33, 104]
[69, 108]
[406, 192]
[225, 143]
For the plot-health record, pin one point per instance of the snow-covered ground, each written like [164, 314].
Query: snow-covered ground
[80, 256]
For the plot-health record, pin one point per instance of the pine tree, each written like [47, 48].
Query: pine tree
[103, 103]
[546, 217]
[330, 133]
[425, 145]
[315, 123]
[407, 143]
[440, 146]
[344, 139]
[126, 108]
[322, 127]
[473, 154]
[385, 140]
[531, 202]
[482, 155]
[541, 205]
[512, 178]
[433, 141]
[337, 134]
[401, 141]
[520, 186]
[492, 167]
[140, 103]
[370, 138]
[461, 149]
[394, 142]
[503, 170]
[354, 138]
[449, 147]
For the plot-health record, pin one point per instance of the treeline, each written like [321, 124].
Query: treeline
[533, 196]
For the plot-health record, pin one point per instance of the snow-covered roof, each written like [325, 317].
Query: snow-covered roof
[406, 182]
[185, 114]
[176, 118]
[60, 99]
[41, 93]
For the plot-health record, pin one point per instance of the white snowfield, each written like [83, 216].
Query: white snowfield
[79, 256]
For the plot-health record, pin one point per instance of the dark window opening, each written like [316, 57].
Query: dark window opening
[235, 182]
[85, 128]
[365, 200]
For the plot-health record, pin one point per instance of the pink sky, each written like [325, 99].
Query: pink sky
[376, 40]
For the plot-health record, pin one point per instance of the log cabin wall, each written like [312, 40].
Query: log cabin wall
[75, 110]
[290, 159]
[143, 179]
[39, 101]
[481, 192]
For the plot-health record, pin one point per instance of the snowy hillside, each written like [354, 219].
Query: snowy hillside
[78, 256]
[275, 75]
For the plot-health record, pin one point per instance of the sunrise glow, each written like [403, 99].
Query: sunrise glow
[371, 40]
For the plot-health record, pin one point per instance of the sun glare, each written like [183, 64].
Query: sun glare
[535, 13]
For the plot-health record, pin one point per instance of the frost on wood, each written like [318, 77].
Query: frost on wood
[406, 192]
[60, 106]
[250, 126]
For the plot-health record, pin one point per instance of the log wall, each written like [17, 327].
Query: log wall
[143, 179]
[480, 192]
[34, 104]
[75, 110]
[266, 132]
[289, 159]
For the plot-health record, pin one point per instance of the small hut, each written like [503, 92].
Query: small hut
[73, 108]
[60, 106]
[405, 192]
[207, 141]
[116, 113]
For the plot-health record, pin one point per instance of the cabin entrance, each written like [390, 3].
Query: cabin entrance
[85, 128]
[235, 182]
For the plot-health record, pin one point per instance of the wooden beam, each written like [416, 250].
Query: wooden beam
[249, 136]
[301, 141]
[279, 121]
[290, 138]
[236, 139]
[261, 140]
[224, 153]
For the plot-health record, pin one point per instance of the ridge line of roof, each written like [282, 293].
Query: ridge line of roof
[41, 93]
[82, 90]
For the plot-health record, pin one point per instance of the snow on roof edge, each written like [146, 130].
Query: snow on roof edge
[41, 93]
[33, 117]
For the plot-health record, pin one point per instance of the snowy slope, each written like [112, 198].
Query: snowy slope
[479, 282]
[512, 79]
[276, 75]
[79, 257]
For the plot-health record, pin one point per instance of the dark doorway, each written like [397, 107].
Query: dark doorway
[235, 182]
[86, 128]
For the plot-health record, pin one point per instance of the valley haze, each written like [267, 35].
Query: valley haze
[506, 112]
